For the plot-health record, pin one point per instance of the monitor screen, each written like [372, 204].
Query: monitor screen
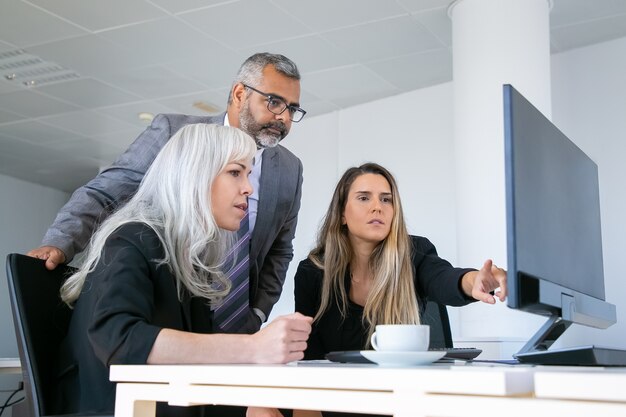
[554, 240]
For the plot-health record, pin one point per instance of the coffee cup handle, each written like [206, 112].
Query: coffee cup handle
[373, 341]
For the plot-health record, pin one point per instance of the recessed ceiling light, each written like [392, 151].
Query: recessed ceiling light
[145, 117]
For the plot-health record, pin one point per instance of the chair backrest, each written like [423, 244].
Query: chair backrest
[41, 322]
[436, 316]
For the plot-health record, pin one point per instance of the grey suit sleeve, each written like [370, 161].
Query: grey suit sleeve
[94, 201]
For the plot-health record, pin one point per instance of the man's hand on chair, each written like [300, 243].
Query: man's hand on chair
[52, 255]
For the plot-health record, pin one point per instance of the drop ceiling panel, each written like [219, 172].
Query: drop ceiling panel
[89, 55]
[246, 23]
[311, 53]
[153, 82]
[588, 33]
[324, 15]
[438, 23]
[211, 99]
[420, 5]
[164, 40]
[26, 25]
[7, 116]
[579, 11]
[130, 112]
[340, 84]
[87, 122]
[380, 40]
[411, 72]
[32, 104]
[100, 153]
[7, 86]
[39, 133]
[122, 139]
[98, 15]
[36, 154]
[216, 70]
[88, 93]
[176, 6]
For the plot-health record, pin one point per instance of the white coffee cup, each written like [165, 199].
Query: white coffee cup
[401, 337]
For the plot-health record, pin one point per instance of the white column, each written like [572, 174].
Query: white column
[494, 42]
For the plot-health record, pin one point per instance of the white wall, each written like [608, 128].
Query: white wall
[411, 134]
[589, 106]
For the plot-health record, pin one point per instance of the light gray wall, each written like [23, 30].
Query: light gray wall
[411, 134]
[26, 211]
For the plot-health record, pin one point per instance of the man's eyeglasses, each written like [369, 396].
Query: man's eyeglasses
[277, 105]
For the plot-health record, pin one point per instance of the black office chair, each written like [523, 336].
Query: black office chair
[41, 321]
[436, 316]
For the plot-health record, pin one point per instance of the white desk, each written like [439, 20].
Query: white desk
[402, 392]
[438, 390]
[10, 366]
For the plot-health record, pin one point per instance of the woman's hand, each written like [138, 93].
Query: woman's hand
[283, 340]
[480, 284]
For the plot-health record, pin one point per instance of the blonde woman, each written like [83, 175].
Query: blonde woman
[366, 269]
[153, 272]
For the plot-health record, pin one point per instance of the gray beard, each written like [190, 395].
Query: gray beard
[254, 129]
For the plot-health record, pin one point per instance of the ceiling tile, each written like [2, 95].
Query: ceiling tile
[89, 55]
[32, 104]
[65, 175]
[411, 72]
[130, 112]
[257, 22]
[37, 132]
[421, 5]
[153, 82]
[32, 152]
[87, 92]
[588, 33]
[185, 104]
[98, 15]
[87, 122]
[22, 24]
[310, 53]
[8, 116]
[438, 23]
[102, 152]
[165, 41]
[6, 86]
[176, 6]
[569, 12]
[120, 140]
[384, 39]
[205, 68]
[341, 84]
[323, 15]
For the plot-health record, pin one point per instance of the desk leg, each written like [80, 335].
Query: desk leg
[133, 400]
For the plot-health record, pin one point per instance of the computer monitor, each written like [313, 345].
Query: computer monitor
[554, 242]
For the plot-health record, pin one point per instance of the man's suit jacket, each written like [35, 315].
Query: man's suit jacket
[271, 247]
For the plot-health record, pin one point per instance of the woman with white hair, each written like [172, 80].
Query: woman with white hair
[146, 289]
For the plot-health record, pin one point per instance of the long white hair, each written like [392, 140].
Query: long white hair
[174, 199]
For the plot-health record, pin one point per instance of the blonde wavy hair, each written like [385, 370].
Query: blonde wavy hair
[392, 298]
[174, 200]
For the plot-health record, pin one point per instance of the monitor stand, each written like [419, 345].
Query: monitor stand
[537, 352]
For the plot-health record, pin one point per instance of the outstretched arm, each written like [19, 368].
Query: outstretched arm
[480, 284]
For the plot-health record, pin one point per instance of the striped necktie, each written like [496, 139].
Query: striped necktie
[230, 315]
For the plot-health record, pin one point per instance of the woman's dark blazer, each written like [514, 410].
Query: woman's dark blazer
[435, 279]
[124, 304]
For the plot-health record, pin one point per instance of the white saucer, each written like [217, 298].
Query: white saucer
[393, 358]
